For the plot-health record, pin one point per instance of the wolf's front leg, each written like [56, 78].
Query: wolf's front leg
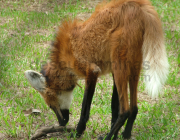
[91, 79]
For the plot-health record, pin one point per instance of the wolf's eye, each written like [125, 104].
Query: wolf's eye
[50, 106]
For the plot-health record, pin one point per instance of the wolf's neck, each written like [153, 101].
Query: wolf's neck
[58, 77]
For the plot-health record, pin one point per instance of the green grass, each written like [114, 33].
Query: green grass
[25, 36]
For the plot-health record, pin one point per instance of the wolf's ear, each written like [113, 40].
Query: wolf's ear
[36, 79]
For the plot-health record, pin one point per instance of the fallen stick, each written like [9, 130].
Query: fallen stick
[45, 130]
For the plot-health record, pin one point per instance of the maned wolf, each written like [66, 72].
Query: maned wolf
[117, 38]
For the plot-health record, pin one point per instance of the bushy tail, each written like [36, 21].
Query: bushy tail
[154, 52]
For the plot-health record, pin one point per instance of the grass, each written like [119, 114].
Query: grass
[27, 28]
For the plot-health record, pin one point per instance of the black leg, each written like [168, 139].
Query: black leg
[114, 108]
[88, 95]
[117, 120]
[127, 132]
[121, 81]
[133, 84]
[119, 123]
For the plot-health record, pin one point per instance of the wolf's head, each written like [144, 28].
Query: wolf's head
[56, 87]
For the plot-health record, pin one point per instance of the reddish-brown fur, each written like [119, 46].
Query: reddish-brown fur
[110, 41]
[98, 44]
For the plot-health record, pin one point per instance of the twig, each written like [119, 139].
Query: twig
[45, 130]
